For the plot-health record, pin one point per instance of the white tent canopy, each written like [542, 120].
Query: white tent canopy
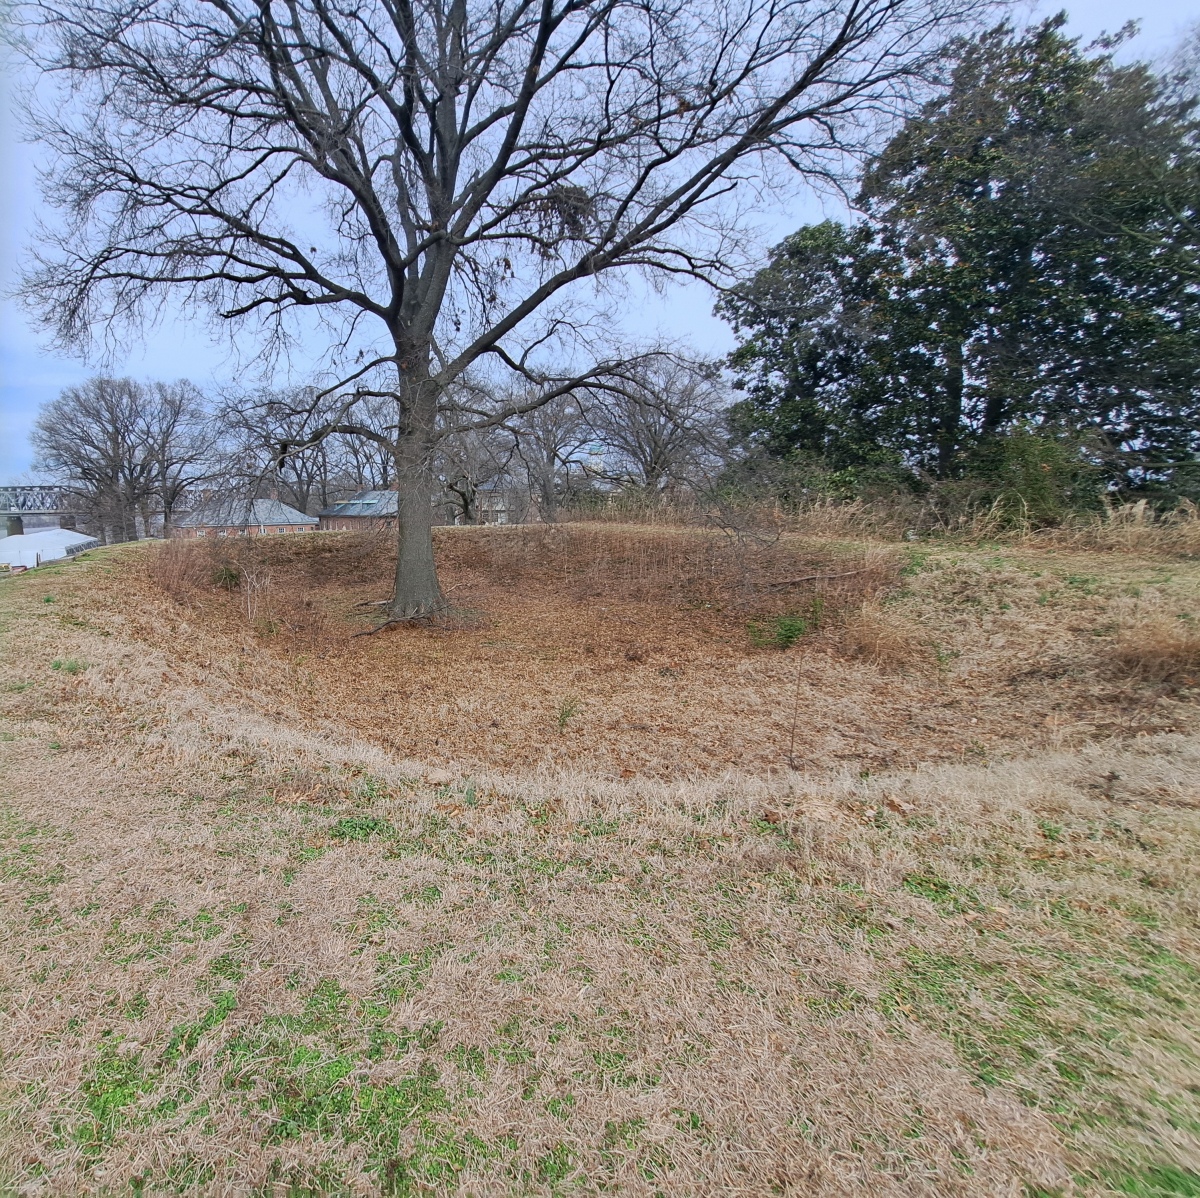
[51, 544]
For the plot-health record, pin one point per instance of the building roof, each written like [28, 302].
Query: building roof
[50, 544]
[244, 513]
[365, 503]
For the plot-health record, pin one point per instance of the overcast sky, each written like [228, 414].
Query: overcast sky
[29, 375]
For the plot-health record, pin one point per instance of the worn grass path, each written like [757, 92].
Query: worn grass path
[242, 956]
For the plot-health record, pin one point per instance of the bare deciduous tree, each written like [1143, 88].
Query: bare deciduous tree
[471, 463]
[361, 464]
[432, 181]
[662, 422]
[128, 450]
[256, 424]
[549, 439]
[177, 431]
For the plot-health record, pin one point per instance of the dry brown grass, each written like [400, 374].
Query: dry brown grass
[884, 638]
[1122, 528]
[1134, 528]
[1161, 648]
[660, 643]
[182, 568]
[254, 944]
[761, 574]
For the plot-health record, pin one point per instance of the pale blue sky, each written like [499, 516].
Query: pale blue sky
[29, 375]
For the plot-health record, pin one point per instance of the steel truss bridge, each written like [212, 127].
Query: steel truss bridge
[37, 501]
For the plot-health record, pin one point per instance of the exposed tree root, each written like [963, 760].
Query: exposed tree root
[393, 622]
[416, 617]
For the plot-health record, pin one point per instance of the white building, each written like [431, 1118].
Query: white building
[32, 549]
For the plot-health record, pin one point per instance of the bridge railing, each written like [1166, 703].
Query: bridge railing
[36, 501]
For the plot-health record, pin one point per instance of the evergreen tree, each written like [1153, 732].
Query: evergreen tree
[1027, 261]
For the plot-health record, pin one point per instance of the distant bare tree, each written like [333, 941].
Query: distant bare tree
[256, 424]
[127, 450]
[178, 432]
[548, 442]
[361, 464]
[477, 164]
[661, 424]
[472, 462]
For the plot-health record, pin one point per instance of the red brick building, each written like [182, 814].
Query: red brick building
[243, 518]
[367, 509]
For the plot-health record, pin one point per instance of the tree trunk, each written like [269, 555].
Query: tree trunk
[949, 431]
[417, 592]
[548, 497]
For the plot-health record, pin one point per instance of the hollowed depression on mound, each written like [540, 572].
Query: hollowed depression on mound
[256, 940]
[649, 651]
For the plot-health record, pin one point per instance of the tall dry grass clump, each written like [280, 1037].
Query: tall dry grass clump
[882, 637]
[1160, 648]
[1133, 528]
[274, 585]
[181, 568]
[746, 515]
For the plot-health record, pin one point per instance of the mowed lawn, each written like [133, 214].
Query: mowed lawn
[601, 890]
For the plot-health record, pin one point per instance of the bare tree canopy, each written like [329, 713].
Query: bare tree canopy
[549, 439]
[472, 467]
[130, 451]
[432, 180]
[664, 423]
[255, 424]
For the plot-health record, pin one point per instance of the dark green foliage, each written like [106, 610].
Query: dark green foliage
[1018, 307]
[228, 576]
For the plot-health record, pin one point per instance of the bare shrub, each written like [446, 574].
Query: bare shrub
[1160, 648]
[180, 568]
[256, 592]
[764, 576]
[882, 637]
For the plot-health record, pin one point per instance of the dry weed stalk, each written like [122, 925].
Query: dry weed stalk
[180, 568]
[255, 588]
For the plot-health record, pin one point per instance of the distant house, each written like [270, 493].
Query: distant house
[243, 518]
[367, 509]
[490, 507]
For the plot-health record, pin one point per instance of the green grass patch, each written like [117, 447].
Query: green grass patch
[306, 1072]
[117, 1079]
[782, 632]
[360, 827]
[68, 665]
[1161, 1181]
[946, 896]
